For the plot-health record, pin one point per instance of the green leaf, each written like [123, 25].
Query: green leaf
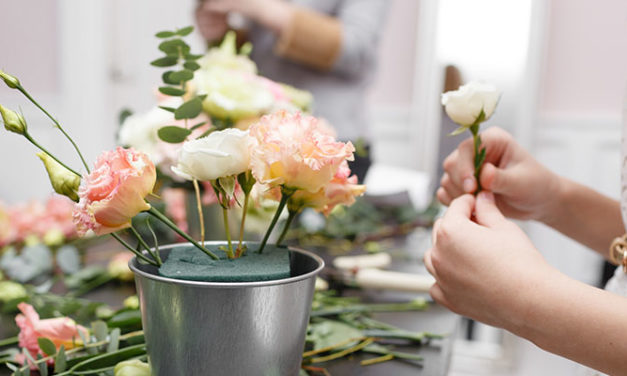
[189, 109]
[46, 346]
[185, 31]
[173, 134]
[114, 341]
[165, 34]
[100, 329]
[190, 57]
[196, 126]
[125, 318]
[125, 113]
[12, 366]
[166, 61]
[60, 361]
[191, 65]
[68, 259]
[165, 77]
[181, 76]
[43, 367]
[202, 97]
[109, 359]
[174, 47]
[168, 90]
[169, 109]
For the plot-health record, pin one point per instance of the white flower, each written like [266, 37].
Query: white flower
[221, 154]
[464, 105]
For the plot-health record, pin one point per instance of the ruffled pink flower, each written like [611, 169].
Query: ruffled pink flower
[61, 331]
[291, 150]
[114, 191]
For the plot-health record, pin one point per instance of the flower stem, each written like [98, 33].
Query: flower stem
[157, 214]
[285, 195]
[201, 217]
[241, 226]
[225, 216]
[474, 129]
[23, 91]
[32, 141]
[137, 253]
[9, 341]
[155, 255]
[290, 218]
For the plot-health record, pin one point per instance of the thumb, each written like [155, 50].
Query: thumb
[486, 212]
[496, 179]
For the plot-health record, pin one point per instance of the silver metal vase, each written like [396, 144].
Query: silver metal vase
[216, 328]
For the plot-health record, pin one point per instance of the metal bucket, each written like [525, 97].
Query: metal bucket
[215, 328]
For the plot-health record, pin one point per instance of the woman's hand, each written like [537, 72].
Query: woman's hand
[524, 189]
[484, 269]
[211, 24]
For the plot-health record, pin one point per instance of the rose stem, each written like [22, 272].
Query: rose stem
[137, 253]
[285, 195]
[201, 218]
[155, 255]
[241, 226]
[474, 129]
[290, 218]
[156, 213]
[23, 91]
[225, 215]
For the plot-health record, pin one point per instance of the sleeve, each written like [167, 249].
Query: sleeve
[345, 44]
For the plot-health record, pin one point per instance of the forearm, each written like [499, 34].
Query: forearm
[586, 216]
[577, 321]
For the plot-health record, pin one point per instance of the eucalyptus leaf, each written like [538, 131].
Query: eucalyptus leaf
[173, 134]
[174, 48]
[181, 76]
[172, 91]
[123, 115]
[169, 109]
[189, 109]
[99, 329]
[191, 65]
[185, 31]
[114, 340]
[191, 57]
[166, 61]
[165, 34]
[43, 367]
[60, 360]
[11, 366]
[46, 346]
[68, 259]
[165, 77]
[329, 333]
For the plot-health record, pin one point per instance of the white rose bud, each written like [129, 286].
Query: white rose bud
[464, 105]
[221, 154]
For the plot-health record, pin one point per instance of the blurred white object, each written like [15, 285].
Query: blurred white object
[382, 279]
[385, 180]
[321, 284]
[377, 260]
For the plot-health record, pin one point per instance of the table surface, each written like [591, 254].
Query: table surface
[407, 256]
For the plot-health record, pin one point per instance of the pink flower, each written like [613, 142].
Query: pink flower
[6, 228]
[61, 331]
[341, 190]
[175, 208]
[291, 150]
[209, 196]
[114, 191]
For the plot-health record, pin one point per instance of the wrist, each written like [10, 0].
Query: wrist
[275, 15]
[559, 189]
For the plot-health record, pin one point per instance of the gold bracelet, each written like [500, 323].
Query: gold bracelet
[618, 252]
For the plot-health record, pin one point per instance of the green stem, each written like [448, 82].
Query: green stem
[241, 226]
[137, 253]
[9, 341]
[290, 218]
[225, 216]
[21, 89]
[32, 141]
[474, 129]
[88, 286]
[285, 195]
[157, 214]
[201, 217]
[155, 255]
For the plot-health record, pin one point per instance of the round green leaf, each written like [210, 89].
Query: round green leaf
[181, 76]
[185, 31]
[173, 91]
[174, 47]
[189, 109]
[173, 134]
[189, 57]
[166, 61]
[165, 34]
[191, 65]
[165, 77]
[46, 346]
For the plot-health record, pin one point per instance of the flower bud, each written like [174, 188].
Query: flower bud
[132, 302]
[11, 81]
[133, 367]
[13, 121]
[64, 181]
[11, 290]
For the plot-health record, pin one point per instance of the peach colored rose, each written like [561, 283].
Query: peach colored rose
[61, 331]
[114, 191]
[291, 150]
[341, 190]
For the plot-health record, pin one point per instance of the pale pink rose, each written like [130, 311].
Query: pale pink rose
[61, 331]
[292, 151]
[114, 191]
[341, 190]
[175, 206]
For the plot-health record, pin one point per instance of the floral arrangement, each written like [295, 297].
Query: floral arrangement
[469, 106]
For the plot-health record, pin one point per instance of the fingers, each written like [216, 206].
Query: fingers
[459, 166]
[429, 263]
[460, 208]
[486, 212]
[443, 196]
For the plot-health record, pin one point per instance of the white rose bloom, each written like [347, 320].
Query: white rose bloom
[464, 105]
[220, 154]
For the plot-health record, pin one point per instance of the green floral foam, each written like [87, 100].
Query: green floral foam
[189, 263]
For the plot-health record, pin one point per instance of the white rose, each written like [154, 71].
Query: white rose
[220, 154]
[464, 105]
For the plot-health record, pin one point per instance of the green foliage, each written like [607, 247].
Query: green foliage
[172, 91]
[189, 109]
[185, 31]
[173, 134]
[60, 360]
[191, 65]
[178, 77]
[166, 61]
[174, 47]
[165, 34]
[46, 346]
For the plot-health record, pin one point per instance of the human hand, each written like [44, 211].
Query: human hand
[273, 14]
[484, 269]
[212, 25]
[524, 189]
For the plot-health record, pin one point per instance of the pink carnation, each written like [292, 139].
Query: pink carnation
[291, 150]
[61, 331]
[114, 191]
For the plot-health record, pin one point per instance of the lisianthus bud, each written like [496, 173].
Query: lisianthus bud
[13, 121]
[10, 290]
[11, 81]
[133, 367]
[64, 181]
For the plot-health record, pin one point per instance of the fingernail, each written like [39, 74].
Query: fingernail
[469, 185]
[486, 195]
